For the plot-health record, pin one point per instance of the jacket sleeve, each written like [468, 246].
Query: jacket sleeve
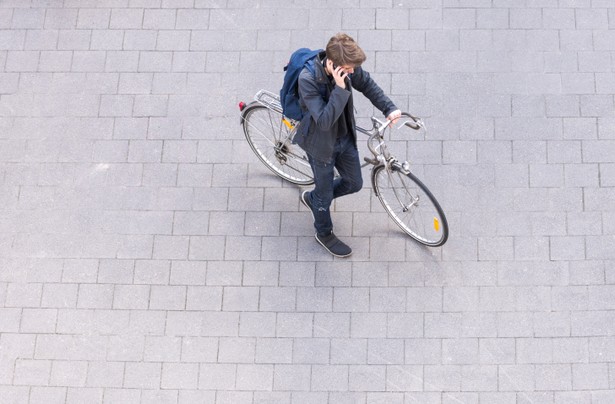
[324, 114]
[361, 81]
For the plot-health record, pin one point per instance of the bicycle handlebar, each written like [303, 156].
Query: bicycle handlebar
[379, 128]
[415, 123]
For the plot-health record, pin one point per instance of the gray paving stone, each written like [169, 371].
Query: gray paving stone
[479, 325]
[332, 325]
[385, 352]
[12, 39]
[240, 299]
[405, 325]
[311, 351]
[515, 325]
[11, 320]
[351, 300]
[179, 376]
[26, 61]
[368, 325]
[195, 19]
[291, 377]
[141, 40]
[84, 321]
[462, 351]
[28, 18]
[516, 377]
[93, 18]
[442, 377]
[162, 349]
[217, 376]
[477, 378]
[59, 295]
[199, 349]
[261, 274]
[500, 350]
[315, 299]
[167, 297]
[297, 274]
[220, 324]
[274, 350]
[237, 350]
[107, 40]
[38, 321]
[370, 378]
[7, 15]
[297, 325]
[75, 40]
[204, 298]
[105, 374]
[51, 394]
[278, 299]
[330, 378]
[348, 351]
[23, 295]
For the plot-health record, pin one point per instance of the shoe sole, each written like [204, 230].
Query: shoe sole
[331, 252]
[304, 202]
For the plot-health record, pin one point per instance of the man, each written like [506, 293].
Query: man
[328, 132]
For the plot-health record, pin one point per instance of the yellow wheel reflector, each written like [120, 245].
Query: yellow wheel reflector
[436, 224]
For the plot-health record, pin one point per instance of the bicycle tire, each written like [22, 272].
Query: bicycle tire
[418, 213]
[268, 136]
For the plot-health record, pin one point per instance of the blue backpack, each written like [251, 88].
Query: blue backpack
[289, 94]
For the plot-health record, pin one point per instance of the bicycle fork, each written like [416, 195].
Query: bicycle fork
[380, 161]
[414, 199]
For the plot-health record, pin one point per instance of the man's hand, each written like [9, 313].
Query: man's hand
[394, 116]
[339, 75]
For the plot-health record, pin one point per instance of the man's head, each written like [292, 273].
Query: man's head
[343, 51]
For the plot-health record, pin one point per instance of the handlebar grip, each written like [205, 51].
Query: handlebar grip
[409, 124]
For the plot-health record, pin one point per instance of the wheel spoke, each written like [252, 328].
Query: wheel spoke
[269, 138]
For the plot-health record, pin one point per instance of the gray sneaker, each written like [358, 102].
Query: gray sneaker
[334, 245]
[305, 199]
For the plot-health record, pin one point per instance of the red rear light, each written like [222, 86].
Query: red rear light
[242, 105]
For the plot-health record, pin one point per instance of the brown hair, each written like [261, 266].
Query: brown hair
[343, 51]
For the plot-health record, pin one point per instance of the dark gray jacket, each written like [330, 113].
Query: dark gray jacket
[319, 127]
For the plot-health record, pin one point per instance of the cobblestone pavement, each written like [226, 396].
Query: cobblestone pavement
[147, 256]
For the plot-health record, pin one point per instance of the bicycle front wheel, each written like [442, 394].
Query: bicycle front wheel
[411, 205]
[270, 138]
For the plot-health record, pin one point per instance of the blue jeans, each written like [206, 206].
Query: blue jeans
[326, 188]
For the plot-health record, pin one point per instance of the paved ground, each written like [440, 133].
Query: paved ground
[146, 256]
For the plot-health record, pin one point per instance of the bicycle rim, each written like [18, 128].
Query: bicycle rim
[269, 138]
[411, 205]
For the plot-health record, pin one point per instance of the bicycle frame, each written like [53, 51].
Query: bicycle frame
[380, 151]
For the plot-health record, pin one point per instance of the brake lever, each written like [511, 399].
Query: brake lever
[415, 123]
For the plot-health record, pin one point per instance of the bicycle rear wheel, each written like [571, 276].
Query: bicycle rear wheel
[410, 204]
[269, 137]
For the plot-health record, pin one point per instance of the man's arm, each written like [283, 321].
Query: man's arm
[325, 114]
[362, 82]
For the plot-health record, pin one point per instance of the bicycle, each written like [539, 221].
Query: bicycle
[408, 202]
